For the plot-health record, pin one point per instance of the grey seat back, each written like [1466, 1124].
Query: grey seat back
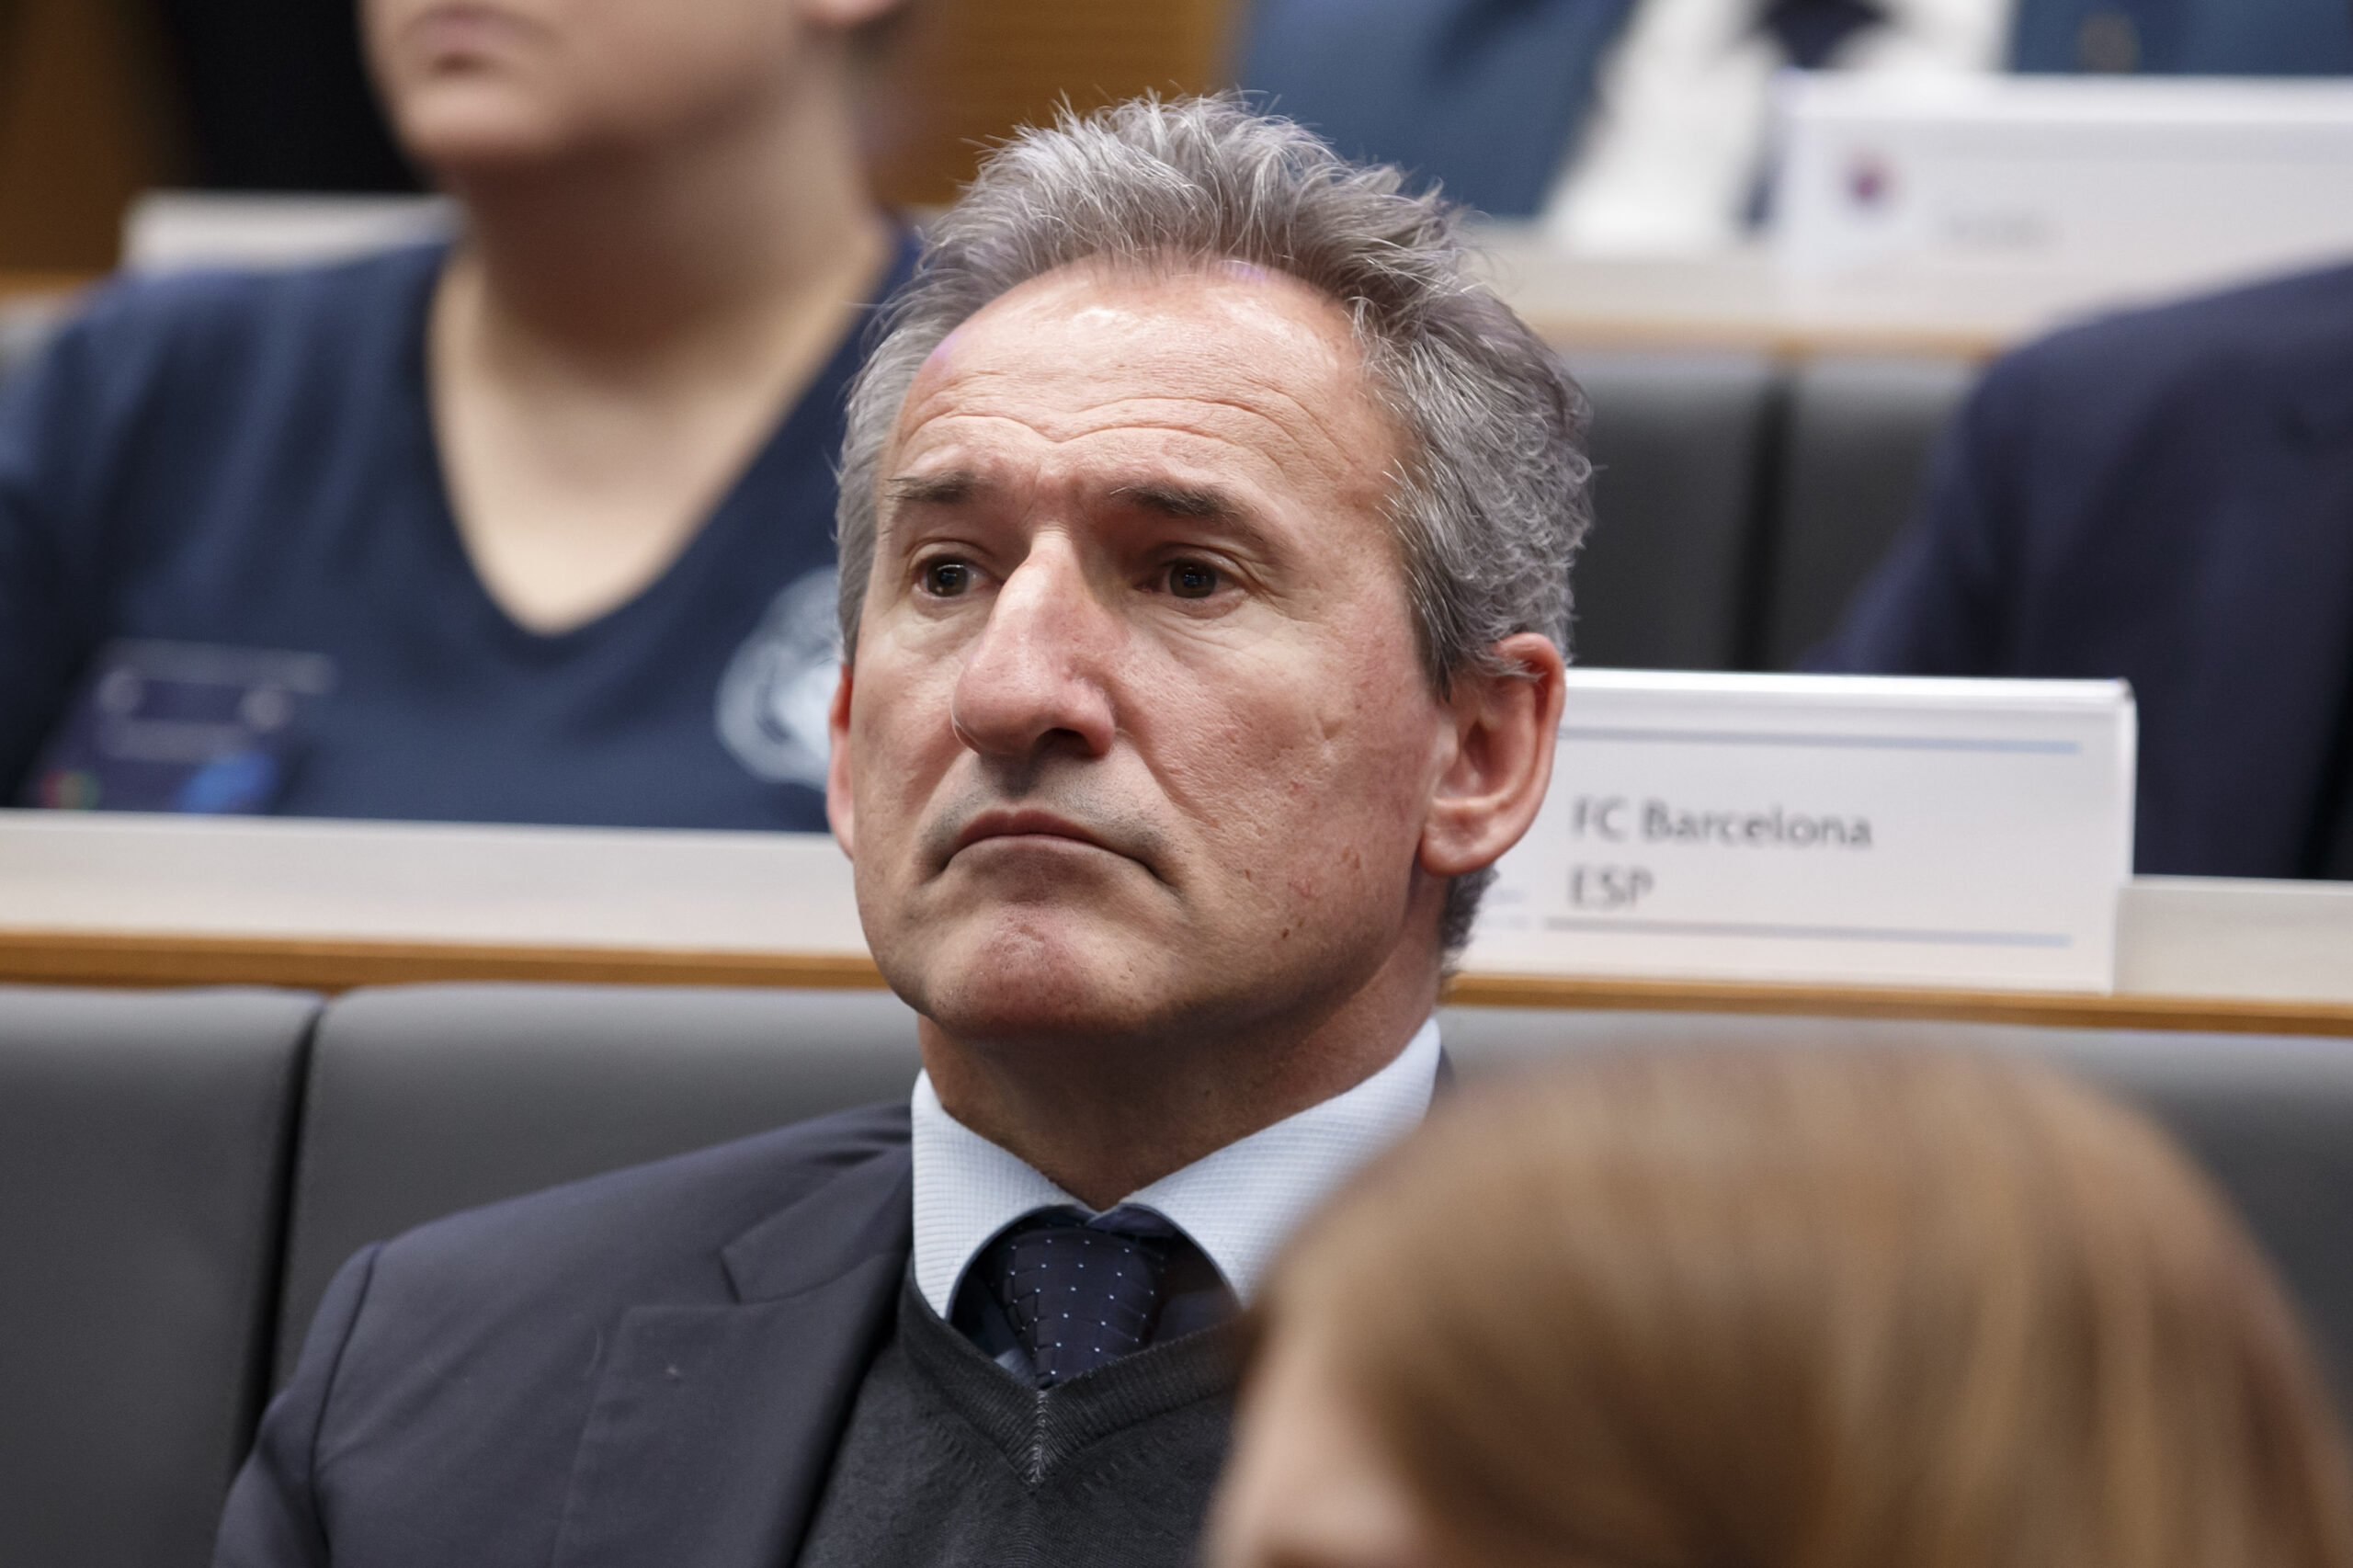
[1678, 443]
[423, 1100]
[143, 1148]
[2270, 1116]
[1854, 461]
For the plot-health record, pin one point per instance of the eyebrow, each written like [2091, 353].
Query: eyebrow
[1180, 500]
[1164, 498]
[935, 488]
[1168, 499]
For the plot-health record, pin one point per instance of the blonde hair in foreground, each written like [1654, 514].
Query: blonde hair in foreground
[1829, 1309]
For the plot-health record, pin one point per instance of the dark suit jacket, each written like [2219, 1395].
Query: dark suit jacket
[651, 1367]
[2168, 497]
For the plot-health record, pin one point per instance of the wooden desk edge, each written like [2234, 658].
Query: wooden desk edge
[1779, 339]
[70, 958]
[2225, 1014]
[76, 958]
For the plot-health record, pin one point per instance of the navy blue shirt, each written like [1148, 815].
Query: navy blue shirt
[230, 579]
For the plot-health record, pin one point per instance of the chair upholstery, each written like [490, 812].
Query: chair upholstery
[2270, 1116]
[423, 1100]
[2272, 1120]
[1854, 461]
[143, 1143]
[1678, 442]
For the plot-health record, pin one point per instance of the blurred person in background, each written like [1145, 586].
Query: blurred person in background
[1640, 126]
[535, 527]
[1675, 152]
[1624, 124]
[2164, 496]
[1838, 1310]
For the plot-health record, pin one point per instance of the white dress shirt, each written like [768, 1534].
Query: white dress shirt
[1237, 1205]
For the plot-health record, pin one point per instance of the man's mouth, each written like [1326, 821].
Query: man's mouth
[1025, 822]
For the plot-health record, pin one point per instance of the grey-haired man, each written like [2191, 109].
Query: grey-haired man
[1205, 536]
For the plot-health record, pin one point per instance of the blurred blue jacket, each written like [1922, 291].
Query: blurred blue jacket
[2164, 496]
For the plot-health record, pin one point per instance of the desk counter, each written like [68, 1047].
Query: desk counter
[122, 900]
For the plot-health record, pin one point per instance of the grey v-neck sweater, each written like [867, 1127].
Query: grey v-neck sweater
[951, 1460]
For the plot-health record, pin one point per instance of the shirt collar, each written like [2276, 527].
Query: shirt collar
[1238, 1204]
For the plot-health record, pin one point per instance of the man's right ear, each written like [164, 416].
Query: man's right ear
[1507, 724]
[839, 809]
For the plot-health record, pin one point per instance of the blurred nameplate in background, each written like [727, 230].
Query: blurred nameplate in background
[2079, 190]
[1960, 215]
[1857, 830]
[956, 76]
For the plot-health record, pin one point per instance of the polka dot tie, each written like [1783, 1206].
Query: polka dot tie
[1079, 1293]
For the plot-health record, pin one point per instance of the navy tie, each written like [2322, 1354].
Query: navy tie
[1078, 1292]
[1810, 32]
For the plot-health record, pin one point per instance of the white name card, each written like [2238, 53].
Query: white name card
[1826, 828]
[2144, 182]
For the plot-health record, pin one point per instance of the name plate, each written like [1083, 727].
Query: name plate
[1841, 829]
[2134, 182]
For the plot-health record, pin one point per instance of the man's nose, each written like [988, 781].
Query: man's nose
[1038, 677]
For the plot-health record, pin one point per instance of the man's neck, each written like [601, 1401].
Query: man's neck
[622, 255]
[1102, 1119]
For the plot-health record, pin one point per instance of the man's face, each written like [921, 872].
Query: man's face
[1137, 738]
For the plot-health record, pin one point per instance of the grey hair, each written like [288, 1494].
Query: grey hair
[1489, 500]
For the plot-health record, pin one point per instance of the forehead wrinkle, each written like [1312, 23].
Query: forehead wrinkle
[1213, 392]
[1137, 413]
[945, 435]
[1228, 383]
[1330, 346]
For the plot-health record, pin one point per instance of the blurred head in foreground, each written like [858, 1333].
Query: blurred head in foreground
[1891, 1311]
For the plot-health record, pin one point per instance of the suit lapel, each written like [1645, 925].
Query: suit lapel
[715, 1427]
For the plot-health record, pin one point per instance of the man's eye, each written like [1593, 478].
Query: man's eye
[945, 579]
[1192, 580]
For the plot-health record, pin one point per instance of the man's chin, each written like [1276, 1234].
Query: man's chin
[1033, 977]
